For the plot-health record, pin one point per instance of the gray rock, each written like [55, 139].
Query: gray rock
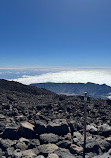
[47, 148]
[104, 130]
[92, 146]
[48, 138]
[26, 130]
[91, 129]
[11, 131]
[104, 145]
[28, 153]
[64, 144]
[64, 153]
[40, 127]
[10, 151]
[53, 156]
[34, 143]
[17, 153]
[58, 126]
[6, 143]
[40, 156]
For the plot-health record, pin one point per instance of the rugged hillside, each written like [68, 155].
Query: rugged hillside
[95, 90]
[18, 87]
[51, 126]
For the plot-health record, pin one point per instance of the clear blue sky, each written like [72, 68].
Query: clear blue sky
[55, 32]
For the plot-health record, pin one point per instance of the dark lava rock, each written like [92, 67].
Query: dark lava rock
[58, 126]
[26, 130]
[7, 143]
[11, 132]
[46, 149]
[64, 144]
[104, 130]
[49, 138]
[64, 153]
[40, 127]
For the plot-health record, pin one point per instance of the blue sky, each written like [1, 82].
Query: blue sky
[55, 33]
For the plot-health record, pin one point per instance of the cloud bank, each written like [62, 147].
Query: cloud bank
[75, 76]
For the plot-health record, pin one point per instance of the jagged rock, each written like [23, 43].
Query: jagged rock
[46, 149]
[64, 144]
[40, 127]
[28, 154]
[74, 149]
[105, 155]
[104, 130]
[58, 126]
[48, 138]
[21, 146]
[64, 153]
[91, 129]
[73, 126]
[11, 132]
[40, 156]
[10, 151]
[53, 156]
[104, 145]
[17, 153]
[34, 143]
[92, 146]
[6, 143]
[27, 130]
[26, 141]
[77, 138]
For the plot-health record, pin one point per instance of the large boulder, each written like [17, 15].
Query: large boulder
[64, 153]
[40, 127]
[58, 126]
[92, 129]
[11, 131]
[104, 130]
[27, 130]
[46, 149]
[48, 138]
[28, 153]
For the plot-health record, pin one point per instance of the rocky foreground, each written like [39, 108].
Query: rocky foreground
[36, 123]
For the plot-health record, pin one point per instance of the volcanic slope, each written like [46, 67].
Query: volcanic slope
[36, 122]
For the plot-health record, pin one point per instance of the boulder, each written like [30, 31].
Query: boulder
[53, 156]
[104, 146]
[17, 153]
[11, 131]
[48, 138]
[64, 153]
[6, 143]
[34, 143]
[58, 126]
[92, 146]
[104, 130]
[92, 129]
[40, 127]
[74, 149]
[46, 149]
[27, 130]
[28, 154]
[64, 144]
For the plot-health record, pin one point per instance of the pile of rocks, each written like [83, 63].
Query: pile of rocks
[51, 126]
[55, 139]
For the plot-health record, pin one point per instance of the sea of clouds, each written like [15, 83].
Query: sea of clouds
[98, 76]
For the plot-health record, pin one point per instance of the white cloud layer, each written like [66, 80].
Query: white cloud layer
[102, 76]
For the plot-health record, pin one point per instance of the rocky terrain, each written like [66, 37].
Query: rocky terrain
[37, 123]
[95, 90]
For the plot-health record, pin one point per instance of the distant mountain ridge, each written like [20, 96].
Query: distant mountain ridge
[95, 90]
